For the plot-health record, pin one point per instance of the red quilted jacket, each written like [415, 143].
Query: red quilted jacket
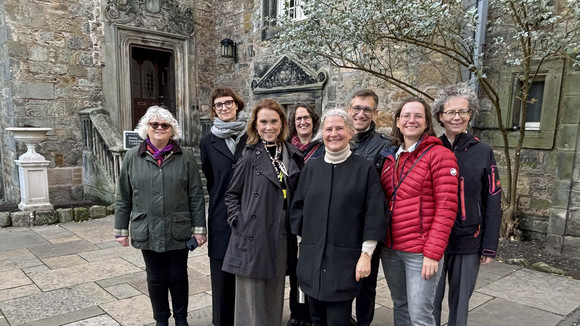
[425, 205]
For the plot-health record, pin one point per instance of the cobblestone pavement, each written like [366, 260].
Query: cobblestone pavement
[77, 274]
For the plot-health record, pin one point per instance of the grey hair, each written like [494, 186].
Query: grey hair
[457, 90]
[157, 112]
[336, 112]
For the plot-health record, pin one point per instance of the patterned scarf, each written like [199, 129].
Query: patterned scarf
[296, 142]
[159, 154]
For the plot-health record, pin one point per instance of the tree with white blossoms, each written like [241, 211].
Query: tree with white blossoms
[385, 38]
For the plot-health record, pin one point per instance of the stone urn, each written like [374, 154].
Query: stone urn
[32, 169]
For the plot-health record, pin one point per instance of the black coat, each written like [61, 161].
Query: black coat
[217, 163]
[369, 145]
[476, 228]
[335, 208]
[255, 202]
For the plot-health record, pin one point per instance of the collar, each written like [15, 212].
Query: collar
[143, 148]
[337, 157]
[402, 150]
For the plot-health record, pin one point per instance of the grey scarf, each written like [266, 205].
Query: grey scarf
[227, 130]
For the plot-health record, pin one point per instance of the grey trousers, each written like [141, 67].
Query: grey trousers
[260, 302]
[461, 272]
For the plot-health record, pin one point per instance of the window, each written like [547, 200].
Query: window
[291, 8]
[535, 103]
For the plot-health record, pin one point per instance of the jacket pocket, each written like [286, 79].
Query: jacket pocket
[181, 226]
[342, 263]
[138, 228]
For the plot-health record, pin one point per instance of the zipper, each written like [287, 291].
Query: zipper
[462, 197]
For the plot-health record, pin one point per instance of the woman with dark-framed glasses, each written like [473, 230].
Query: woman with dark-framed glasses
[475, 234]
[258, 199]
[160, 206]
[220, 149]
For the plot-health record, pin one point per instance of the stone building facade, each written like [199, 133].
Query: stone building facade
[81, 67]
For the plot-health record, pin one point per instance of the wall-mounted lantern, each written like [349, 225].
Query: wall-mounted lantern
[228, 49]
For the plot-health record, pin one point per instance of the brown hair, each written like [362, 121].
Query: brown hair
[270, 104]
[313, 116]
[367, 93]
[396, 133]
[222, 92]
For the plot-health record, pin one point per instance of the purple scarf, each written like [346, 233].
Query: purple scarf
[159, 154]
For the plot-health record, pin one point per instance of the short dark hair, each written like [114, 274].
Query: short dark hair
[292, 125]
[270, 104]
[367, 93]
[396, 133]
[226, 91]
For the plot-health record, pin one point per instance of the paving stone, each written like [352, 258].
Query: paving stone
[20, 258]
[123, 291]
[552, 293]
[199, 264]
[65, 215]
[109, 253]
[52, 232]
[5, 219]
[97, 211]
[74, 316]
[500, 312]
[45, 217]
[62, 249]
[102, 320]
[126, 278]
[64, 261]
[13, 278]
[97, 231]
[18, 292]
[19, 238]
[80, 214]
[53, 303]
[383, 316]
[134, 311]
[79, 274]
[202, 317]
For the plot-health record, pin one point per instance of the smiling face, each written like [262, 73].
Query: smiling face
[225, 113]
[455, 125]
[159, 137]
[412, 122]
[362, 111]
[303, 123]
[268, 124]
[336, 134]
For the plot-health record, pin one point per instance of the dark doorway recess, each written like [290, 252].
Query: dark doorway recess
[152, 80]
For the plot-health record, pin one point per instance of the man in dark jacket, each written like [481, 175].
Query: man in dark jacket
[368, 145]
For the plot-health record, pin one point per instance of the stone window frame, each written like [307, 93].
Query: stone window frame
[552, 71]
[270, 9]
[127, 37]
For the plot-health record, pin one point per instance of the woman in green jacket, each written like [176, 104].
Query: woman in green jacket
[160, 206]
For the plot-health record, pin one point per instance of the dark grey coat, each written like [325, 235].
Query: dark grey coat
[336, 208]
[255, 202]
[218, 163]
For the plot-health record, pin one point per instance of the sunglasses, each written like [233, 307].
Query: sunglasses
[156, 125]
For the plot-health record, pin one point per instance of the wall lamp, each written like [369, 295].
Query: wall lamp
[228, 49]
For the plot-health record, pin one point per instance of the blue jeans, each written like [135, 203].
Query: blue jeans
[412, 295]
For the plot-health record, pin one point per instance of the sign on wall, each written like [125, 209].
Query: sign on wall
[131, 139]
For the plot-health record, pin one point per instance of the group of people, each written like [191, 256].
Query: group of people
[320, 199]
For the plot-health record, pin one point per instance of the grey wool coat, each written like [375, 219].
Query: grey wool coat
[335, 209]
[161, 206]
[255, 202]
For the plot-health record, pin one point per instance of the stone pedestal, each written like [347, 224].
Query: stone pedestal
[33, 185]
[32, 169]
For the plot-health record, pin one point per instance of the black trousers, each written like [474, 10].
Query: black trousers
[223, 291]
[365, 301]
[325, 313]
[167, 271]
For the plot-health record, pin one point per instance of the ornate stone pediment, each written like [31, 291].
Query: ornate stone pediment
[159, 15]
[289, 74]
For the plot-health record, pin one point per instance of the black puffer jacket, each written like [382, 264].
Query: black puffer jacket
[476, 228]
[369, 145]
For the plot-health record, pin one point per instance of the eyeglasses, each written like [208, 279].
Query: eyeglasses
[156, 125]
[366, 110]
[219, 105]
[305, 118]
[407, 116]
[451, 113]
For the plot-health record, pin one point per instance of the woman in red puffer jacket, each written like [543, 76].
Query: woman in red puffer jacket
[419, 178]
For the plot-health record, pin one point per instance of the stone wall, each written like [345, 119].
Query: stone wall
[52, 50]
